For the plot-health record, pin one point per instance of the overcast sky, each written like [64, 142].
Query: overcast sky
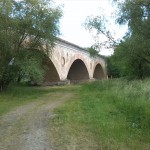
[74, 15]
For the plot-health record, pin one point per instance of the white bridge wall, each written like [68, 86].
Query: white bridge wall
[65, 53]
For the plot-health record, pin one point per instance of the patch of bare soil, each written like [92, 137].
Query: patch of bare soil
[27, 127]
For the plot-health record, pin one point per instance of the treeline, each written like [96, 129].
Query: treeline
[131, 56]
[27, 29]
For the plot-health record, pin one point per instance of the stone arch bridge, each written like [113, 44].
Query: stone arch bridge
[71, 63]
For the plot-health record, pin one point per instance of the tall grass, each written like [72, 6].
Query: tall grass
[113, 114]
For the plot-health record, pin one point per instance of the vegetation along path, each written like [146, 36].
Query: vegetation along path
[26, 127]
[101, 115]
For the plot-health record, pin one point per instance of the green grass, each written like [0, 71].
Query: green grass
[17, 95]
[105, 115]
[21, 94]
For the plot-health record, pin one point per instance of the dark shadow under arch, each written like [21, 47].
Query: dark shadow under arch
[51, 75]
[78, 72]
[98, 72]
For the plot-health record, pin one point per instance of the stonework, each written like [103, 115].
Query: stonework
[71, 62]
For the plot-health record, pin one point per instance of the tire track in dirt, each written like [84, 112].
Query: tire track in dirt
[27, 127]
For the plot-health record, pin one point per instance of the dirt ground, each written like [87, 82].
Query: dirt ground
[26, 127]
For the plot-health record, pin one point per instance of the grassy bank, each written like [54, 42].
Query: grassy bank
[21, 94]
[105, 115]
[17, 95]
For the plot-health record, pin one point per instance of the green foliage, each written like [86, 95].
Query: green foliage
[135, 49]
[93, 52]
[30, 66]
[7, 75]
[113, 70]
[100, 24]
[127, 58]
[132, 54]
[26, 25]
[118, 119]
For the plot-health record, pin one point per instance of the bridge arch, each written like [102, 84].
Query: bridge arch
[51, 74]
[98, 72]
[78, 71]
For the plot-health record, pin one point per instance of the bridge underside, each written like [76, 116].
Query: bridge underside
[98, 72]
[78, 72]
[51, 75]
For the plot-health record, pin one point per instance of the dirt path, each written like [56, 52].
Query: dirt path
[26, 127]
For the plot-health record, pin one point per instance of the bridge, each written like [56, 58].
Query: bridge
[71, 63]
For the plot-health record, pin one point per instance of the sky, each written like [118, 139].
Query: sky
[75, 13]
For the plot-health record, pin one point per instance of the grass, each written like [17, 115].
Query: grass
[17, 95]
[105, 115]
[21, 94]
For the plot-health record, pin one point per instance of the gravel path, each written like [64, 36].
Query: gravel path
[26, 127]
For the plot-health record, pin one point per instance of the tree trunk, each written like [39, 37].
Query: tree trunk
[19, 78]
[140, 71]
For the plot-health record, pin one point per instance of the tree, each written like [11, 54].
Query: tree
[26, 28]
[92, 50]
[132, 54]
[113, 70]
[136, 14]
